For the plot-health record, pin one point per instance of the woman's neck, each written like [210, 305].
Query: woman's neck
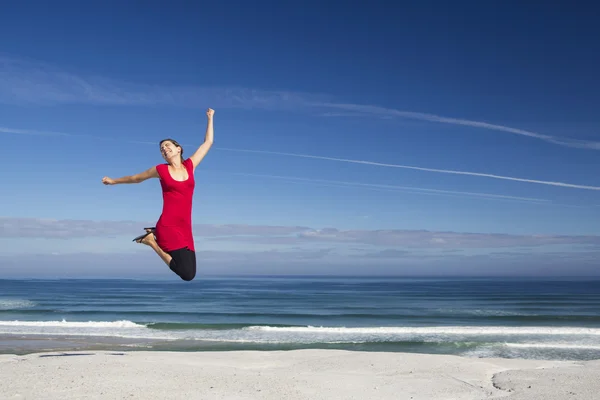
[176, 164]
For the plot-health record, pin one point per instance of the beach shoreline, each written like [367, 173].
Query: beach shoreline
[292, 374]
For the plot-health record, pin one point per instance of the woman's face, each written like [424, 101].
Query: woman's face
[169, 150]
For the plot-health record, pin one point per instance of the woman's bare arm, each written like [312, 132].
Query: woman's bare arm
[198, 156]
[137, 178]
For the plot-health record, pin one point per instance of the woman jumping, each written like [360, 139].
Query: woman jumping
[172, 238]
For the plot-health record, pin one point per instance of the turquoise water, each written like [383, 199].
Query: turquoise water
[524, 318]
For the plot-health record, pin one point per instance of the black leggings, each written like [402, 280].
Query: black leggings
[183, 263]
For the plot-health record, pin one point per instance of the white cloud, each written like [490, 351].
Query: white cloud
[146, 265]
[11, 227]
[387, 254]
[419, 239]
[292, 235]
[32, 82]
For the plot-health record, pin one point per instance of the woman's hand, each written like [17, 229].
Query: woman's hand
[209, 113]
[108, 181]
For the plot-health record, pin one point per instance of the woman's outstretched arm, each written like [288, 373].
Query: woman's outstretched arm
[208, 140]
[137, 178]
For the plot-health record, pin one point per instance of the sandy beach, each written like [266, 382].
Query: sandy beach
[298, 374]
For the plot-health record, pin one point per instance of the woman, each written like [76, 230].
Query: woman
[172, 238]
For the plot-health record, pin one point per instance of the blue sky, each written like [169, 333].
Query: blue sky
[413, 139]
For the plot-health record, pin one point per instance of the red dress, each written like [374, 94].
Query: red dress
[174, 227]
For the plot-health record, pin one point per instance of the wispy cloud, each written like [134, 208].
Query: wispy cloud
[291, 235]
[432, 239]
[396, 188]
[31, 82]
[352, 161]
[12, 227]
[418, 239]
[386, 253]
[426, 169]
[32, 133]
[145, 264]
[368, 110]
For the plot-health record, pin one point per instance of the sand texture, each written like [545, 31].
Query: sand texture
[298, 374]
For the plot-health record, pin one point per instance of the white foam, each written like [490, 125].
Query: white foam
[483, 312]
[122, 328]
[65, 324]
[542, 337]
[15, 304]
[437, 330]
[554, 346]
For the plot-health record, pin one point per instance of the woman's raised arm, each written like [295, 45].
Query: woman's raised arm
[198, 156]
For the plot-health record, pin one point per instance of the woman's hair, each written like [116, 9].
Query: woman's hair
[175, 143]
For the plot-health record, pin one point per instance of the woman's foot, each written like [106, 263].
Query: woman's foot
[147, 239]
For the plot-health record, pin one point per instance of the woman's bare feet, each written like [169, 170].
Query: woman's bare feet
[148, 239]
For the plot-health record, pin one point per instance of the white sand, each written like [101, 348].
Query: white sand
[299, 374]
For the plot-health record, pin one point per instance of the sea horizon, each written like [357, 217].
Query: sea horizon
[311, 276]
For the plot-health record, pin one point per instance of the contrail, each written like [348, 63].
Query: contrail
[443, 171]
[364, 162]
[367, 109]
[36, 133]
[21, 80]
[82, 135]
[394, 188]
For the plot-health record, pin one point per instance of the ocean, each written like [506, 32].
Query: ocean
[492, 317]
